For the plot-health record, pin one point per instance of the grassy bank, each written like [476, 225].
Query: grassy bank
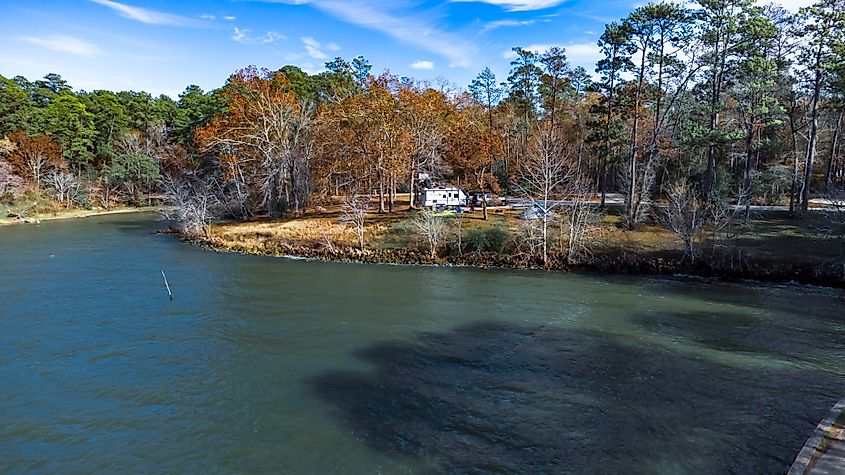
[34, 206]
[773, 247]
[8, 216]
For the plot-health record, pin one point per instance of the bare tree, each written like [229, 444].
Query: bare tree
[9, 182]
[684, 216]
[531, 237]
[547, 168]
[66, 187]
[834, 225]
[431, 227]
[575, 221]
[355, 209]
[191, 203]
[36, 156]
[263, 142]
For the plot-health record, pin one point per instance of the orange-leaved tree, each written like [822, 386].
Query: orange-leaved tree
[472, 150]
[34, 156]
[262, 143]
[426, 113]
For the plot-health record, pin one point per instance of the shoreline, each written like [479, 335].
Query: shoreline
[602, 264]
[76, 214]
[824, 446]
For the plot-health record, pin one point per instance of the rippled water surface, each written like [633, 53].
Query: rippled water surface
[273, 365]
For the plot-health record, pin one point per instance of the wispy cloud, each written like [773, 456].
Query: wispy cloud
[145, 15]
[229, 18]
[312, 46]
[416, 28]
[585, 55]
[519, 5]
[208, 17]
[502, 23]
[245, 36]
[64, 44]
[422, 65]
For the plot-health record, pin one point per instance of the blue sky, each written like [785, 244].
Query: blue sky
[162, 46]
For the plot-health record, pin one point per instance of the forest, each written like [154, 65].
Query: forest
[694, 117]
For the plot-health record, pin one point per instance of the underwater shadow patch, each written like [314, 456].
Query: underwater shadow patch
[498, 397]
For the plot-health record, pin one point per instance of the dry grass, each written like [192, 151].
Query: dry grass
[771, 239]
[610, 236]
[302, 231]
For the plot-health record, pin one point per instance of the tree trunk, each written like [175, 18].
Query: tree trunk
[814, 130]
[545, 235]
[381, 191]
[716, 93]
[834, 148]
[793, 189]
[391, 193]
[608, 120]
[411, 195]
[632, 156]
[746, 172]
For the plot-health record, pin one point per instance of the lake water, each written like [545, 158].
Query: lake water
[272, 365]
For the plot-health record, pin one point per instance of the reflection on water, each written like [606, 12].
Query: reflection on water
[264, 364]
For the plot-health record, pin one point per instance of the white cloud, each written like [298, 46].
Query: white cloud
[151, 17]
[208, 17]
[416, 27]
[312, 46]
[422, 65]
[229, 18]
[310, 68]
[585, 55]
[240, 35]
[519, 5]
[64, 44]
[245, 36]
[500, 23]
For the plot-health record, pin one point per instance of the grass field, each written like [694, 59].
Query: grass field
[771, 239]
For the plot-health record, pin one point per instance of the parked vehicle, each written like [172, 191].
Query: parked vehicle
[446, 197]
[476, 197]
[536, 211]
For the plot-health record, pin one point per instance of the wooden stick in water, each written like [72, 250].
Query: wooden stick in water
[167, 286]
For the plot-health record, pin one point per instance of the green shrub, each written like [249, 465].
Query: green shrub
[490, 239]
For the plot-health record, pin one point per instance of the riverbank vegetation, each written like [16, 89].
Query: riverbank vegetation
[772, 247]
[697, 117]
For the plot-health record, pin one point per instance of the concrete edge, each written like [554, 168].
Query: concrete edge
[812, 450]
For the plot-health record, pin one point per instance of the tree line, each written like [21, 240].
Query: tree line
[722, 101]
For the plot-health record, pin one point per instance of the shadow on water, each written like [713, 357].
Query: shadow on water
[501, 397]
[754, 336]
[794, 299]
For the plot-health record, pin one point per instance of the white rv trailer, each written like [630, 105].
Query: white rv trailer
[447, 197]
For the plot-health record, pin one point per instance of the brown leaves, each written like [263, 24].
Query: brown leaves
[34, 155]
[473, 149]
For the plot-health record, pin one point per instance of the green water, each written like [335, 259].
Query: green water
[274, 365]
